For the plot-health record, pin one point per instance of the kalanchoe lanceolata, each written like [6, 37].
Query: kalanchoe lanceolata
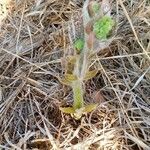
[95, 28]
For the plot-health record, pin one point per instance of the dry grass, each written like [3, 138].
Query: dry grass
[35, 36]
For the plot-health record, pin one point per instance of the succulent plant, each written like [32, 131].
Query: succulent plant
[80, 72]
[102, 27]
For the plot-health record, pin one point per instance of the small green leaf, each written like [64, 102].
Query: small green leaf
[77, 113]
[67, 110]
[90, 108]
[65, 82]
[90, 74]
[102, 27]
[79, 44]
[70, 77]
[95, 7]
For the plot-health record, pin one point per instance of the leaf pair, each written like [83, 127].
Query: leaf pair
[77, 113]
[69, 78]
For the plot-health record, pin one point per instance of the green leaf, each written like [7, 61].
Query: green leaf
[79, 44]
[90, 108]
[102, 27]
[65, 82]
[70, 77]
[77, 113]
[90, 74]
[95, 7]
[67, 110]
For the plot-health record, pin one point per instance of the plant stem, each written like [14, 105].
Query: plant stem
[81, 67]
[77, 94]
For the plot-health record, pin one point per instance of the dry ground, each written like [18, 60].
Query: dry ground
[35, 37]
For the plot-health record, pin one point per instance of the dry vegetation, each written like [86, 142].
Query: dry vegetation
[35, 37]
